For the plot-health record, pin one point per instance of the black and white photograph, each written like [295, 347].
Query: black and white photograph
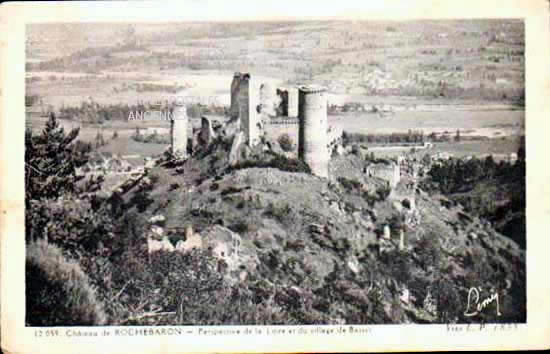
[301, 172]
[275, 173]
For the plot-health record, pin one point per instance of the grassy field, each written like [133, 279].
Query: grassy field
[499, 148]
[487, 123]
[470, 59]
[472, 62]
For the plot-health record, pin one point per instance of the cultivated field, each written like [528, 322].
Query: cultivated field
[477, 64]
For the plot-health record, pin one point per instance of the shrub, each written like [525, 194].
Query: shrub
[241, 227]
[58, 293]
[286, 143]
[231, 190]
[154, 178]
[383, 192]
[396, 222]
[349, 184]
[77, 226]
[279, 213]
[279, 162]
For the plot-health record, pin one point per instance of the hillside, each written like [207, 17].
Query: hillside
[312, 250]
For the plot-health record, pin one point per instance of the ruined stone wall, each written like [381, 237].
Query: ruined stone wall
[312, 145]
[390, 173]
[288, 102]
[275, 128]
[178, 131]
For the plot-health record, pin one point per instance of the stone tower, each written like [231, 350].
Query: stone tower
[249, 105]
[178, 131]
[234, 108]
[312, 144]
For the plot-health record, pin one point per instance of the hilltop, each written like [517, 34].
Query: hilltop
[313, 250]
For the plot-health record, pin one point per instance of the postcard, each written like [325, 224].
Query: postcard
[291, 176]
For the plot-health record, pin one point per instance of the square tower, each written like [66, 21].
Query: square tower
[178, 131]
[249, 107]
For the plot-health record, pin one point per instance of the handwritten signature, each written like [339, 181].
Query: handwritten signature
[476, 305]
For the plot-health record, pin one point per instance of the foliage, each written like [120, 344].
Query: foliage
[278, 161]
[280, 213]
[78, 226]
[286, 143]
[51, 161]
[411, 137]
[52, 282]
[349, 184]
[493, 191]
[241, 226]
[383, 192]
[153, 138]
[355, 187]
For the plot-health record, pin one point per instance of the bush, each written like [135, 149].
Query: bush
[280, 213]
[58, 293]
[279, 162]
[286, 143]
[383, 192]
[231, 190]
[349, 184]
[396, 222]
[241, 227]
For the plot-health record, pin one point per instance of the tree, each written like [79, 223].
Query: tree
[457, 136]
[51, 160]
[285, 141]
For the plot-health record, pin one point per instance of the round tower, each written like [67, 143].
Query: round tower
[312, 140]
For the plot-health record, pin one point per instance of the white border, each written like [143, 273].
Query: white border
[14, 16]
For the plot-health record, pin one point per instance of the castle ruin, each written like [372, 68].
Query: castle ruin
[252, 103]
[255, 106]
